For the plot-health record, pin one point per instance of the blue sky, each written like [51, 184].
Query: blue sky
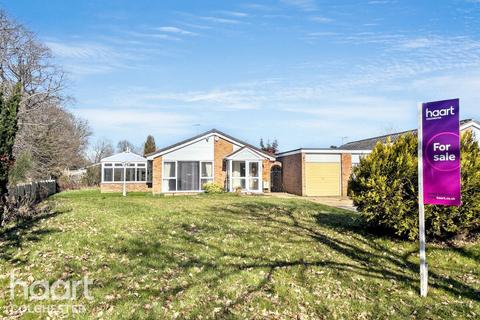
[309, 73]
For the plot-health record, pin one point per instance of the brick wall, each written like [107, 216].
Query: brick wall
[118, 187]
[157, 175]
[222, 148]
[346, 172]
[292, 173]
[267, 165]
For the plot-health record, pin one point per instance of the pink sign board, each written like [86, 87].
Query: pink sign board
[441, 152]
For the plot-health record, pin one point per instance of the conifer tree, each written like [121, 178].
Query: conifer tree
[8, 131]
[149, 146]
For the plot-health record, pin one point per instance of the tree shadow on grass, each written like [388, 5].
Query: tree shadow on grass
[355, 251]
[21, 233]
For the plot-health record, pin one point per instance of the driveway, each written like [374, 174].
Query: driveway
[338, 202]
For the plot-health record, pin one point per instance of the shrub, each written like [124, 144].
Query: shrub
[384, 187]
[213, 188]
[65, 182]
[93, 176]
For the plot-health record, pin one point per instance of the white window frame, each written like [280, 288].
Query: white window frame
[211, 178]
[169, 178]
[247, 175]
[200, 178]
[120, 165]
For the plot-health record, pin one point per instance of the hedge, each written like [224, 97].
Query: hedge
[384, 187]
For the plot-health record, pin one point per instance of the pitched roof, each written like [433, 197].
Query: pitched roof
[232, 155]
[125, 156]
[368, 144]
[208, 133]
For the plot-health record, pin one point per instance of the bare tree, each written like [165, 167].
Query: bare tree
[124, 145]
[52, 137]
[25, 60]
[56, 144]
[102, 148]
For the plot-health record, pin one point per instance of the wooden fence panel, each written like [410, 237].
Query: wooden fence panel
[33, 192]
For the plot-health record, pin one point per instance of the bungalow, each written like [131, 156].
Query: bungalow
[325, 172]
[185, 167]
[214, 156]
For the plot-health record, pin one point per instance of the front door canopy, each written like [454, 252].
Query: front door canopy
[246, 153]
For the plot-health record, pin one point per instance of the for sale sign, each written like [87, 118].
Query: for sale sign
[441, 152]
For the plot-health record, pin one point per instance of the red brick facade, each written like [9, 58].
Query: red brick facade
[221, 149]
[118, 187]
[293, 172]
[157, 172]
[346, 172]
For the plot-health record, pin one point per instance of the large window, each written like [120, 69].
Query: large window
[141, 172]
[245, 175]
[134, 172]
[169, 176]
[186, 175]
[118, 172]
[130, 172]
[207, 173]
[238, 175]
[253, 175]
[107, 172]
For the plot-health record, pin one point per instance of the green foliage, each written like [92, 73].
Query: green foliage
[149, 146]
[213, 188]
[270, 147]
[93, 176]
[384, 187]
[8, 131]
[232, 257]
[20, 169]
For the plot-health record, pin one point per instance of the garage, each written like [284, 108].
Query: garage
[317, 172]
[323, 175]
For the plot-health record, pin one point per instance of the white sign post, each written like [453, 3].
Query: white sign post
[125, 179]
[421, 209]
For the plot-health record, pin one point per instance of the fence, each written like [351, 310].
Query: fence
[34, 191]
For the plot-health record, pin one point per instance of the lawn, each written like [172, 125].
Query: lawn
[228, 256]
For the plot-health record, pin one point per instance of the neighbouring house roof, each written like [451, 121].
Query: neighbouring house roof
[125, 156]
[212, 132]
[368, 144]
[322, 151]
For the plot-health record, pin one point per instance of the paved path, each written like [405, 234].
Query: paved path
[338, 202]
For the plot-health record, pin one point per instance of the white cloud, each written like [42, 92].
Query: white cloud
[104, 117]
[381, 2]
[175, 30]
[321, 19]
[79, 50]
[305, 5]
[81, 58]
[220, 20]
[352, 107]
[153, 35]
[237, 14]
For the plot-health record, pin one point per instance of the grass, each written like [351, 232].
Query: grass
[227, 256]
